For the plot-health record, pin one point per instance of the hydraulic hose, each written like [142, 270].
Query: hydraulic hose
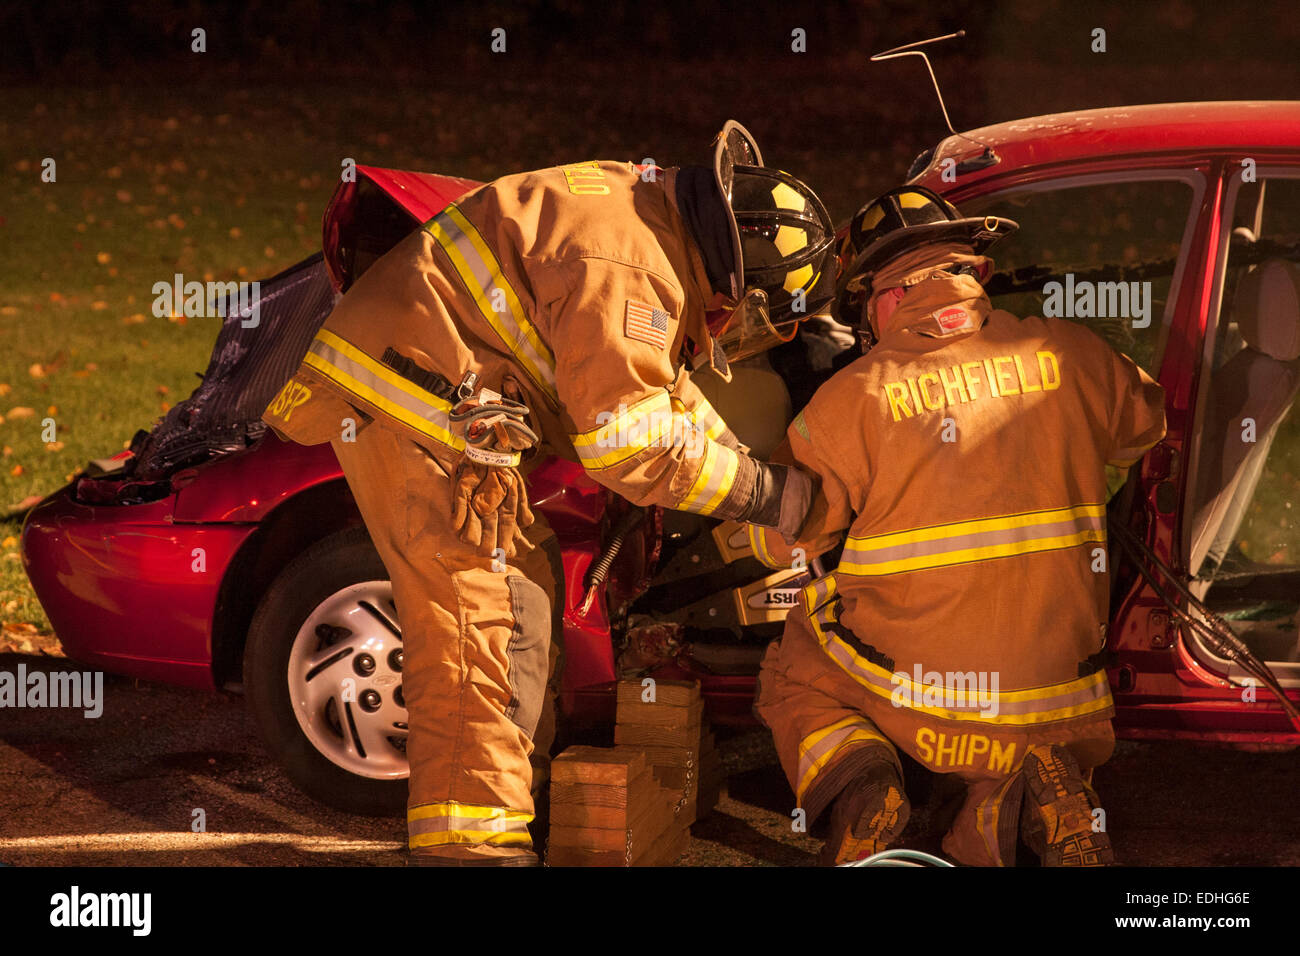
[1214, 630]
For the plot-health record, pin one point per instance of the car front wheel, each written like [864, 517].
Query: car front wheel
[323, 676]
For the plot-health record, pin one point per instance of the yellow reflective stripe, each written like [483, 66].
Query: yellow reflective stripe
[438, 824]
[818, 593]
[481, 273]
[452, 809]
[758, 544]
[975, 540]
[987, 822]
[813, 758]
[713, 483]
[978, 525]
[444, 837]
[1093, 691]
[708, 419]
[643, 425]
[353, 370]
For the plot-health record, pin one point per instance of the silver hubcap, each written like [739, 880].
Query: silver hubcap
[345, 681]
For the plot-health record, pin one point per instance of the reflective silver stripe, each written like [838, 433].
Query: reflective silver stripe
[986, 815]
[641, 426]
[713, 483]
[758, 544]
[481, 273]
[976, 540]
[817, 749]
[1086, 695]
[353, 370]
[817, 593]
[708, 420]
[472, 824]
[438, 824]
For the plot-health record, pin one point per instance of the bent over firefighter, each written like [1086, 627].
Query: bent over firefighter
[549, 312]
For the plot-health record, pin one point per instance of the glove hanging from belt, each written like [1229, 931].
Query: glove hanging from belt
[490, 503]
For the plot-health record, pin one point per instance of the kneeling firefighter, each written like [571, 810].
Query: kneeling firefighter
[546, 313]
[964, 454]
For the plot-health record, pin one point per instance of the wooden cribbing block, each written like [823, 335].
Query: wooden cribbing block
[660, 715]
[598, 765]
[670, 846]
[636, 839]
[673, 693]
[641, 818]
[593, 805]
[660, 757]
[646, 736]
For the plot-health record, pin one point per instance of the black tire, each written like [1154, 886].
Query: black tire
[338, 561]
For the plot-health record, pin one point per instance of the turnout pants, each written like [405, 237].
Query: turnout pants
[829, 729]
[478, 653]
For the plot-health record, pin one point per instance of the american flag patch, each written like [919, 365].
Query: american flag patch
[646, 324]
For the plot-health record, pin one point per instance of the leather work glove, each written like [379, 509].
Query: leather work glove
[490, 508]
[490, 503]
[782, 497]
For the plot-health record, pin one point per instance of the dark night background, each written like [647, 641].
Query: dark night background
[627, 79]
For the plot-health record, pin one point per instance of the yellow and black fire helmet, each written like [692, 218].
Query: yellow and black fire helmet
[783, 242]
[898, 220]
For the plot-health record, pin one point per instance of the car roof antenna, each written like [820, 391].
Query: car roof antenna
[910, 49]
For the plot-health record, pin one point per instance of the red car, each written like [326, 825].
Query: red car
[213, 555]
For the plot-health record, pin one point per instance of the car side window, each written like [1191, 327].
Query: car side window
[1101, 253]
[1246, 515]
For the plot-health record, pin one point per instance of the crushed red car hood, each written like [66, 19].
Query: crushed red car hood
[420, 195]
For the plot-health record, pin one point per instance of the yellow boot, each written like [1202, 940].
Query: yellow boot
[868, 815]
[1059, 805]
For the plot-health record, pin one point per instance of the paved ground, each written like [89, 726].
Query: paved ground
[122, 789]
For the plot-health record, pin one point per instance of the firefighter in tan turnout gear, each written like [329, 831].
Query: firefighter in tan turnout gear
[962, 463]
[546, 313]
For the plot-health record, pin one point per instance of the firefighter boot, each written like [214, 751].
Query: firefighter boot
[1059, 811]
[868, 815]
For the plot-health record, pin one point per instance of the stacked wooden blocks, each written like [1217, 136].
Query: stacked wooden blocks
[607, 809]
[663, 720]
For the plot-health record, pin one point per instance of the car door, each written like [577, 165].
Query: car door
[1240, 539]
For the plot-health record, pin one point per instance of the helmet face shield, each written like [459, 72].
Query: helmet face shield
[750, 329]
[783, 244]
[733, 147]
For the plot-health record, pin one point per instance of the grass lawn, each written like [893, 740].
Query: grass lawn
[229, 183]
